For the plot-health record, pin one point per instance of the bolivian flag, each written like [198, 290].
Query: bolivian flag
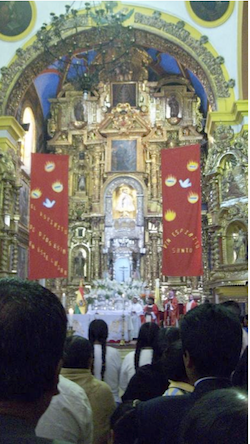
[81, 304]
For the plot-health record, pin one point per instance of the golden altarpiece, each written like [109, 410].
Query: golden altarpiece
[114, 137]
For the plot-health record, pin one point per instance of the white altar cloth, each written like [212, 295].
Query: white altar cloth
[119, 323]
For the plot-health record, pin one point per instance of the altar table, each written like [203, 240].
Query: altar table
[120, 324]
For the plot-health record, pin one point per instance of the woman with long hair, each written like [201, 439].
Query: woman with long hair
[107, 360]
[143, 354]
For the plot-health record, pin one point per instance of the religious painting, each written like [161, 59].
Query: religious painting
[22, 265]
[208, 13]
[124, 202]
[124, 93]
[24, 204]
[16, 19]
[124, 155]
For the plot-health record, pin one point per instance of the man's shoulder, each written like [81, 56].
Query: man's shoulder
[158, 418]
[162, 404]
[30, 440]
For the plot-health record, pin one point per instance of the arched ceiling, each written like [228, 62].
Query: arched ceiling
[173, 50]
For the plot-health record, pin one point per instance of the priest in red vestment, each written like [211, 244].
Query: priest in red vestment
[151, 311]
[190, 304]
[171, 310]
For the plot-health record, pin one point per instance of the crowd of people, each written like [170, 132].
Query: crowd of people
[183, 385]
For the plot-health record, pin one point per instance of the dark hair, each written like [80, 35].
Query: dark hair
[147, 338]
[32, 333]
[123, 423]
[98, 331]
[77, 352]
[212, 335]
[240, 376]
[173, 362]
[219, 417]
[165, 337]
[233, 306]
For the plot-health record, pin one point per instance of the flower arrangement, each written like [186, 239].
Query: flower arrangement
[108, 289]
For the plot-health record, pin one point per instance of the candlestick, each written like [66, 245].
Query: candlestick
[64, 300]
[71, 312]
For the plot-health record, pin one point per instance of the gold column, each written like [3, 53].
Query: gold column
[95, 255]
[154, 171]
[154, 258]
[96, 176]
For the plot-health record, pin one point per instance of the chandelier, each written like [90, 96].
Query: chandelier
[93, 45]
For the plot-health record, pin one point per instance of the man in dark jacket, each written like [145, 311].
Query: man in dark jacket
[211, 338]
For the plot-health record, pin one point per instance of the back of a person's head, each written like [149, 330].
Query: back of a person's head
[212, 335]
[233, 306]
[78, 352]
[166, 336]
[148, 335]
[32, 333]
[172, 360]
[123, 424]
[98, 331]
[219, 417]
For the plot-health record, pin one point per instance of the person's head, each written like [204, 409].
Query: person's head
[211, 337]
[171, 294]
[78, 353]
[135, 300]
[148, 336]
[123, 424]
[98, 331]
[33, 326]
[173, 362]
[219, 417]
[150, 300]
[165, 337]
[191, 297]
[233, 306]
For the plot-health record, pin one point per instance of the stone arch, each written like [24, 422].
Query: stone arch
[160, 30]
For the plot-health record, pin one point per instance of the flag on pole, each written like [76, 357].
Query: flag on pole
[81, 304]
[181, 194]
[48, 230]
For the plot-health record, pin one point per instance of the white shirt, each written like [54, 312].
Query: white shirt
[137, 308]
[112, 370]
[128, 365]
[69, 415]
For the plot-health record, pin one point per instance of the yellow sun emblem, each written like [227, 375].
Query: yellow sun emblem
[36, 193]
[170, 215]
[192, 165]
[49, 166]
[170, 181]
[193, 197]
[57, 186]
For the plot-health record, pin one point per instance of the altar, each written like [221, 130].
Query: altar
[121, 324]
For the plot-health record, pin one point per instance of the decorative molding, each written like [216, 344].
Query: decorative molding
[30, 61]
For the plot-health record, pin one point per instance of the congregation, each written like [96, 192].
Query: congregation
[181, 385]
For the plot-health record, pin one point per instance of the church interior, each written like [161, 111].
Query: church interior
[111, 85]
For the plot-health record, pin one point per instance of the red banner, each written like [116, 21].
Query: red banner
[48, 231]
[181, 193]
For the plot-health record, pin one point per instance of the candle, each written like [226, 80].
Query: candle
[71, 312]
[64, 300]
